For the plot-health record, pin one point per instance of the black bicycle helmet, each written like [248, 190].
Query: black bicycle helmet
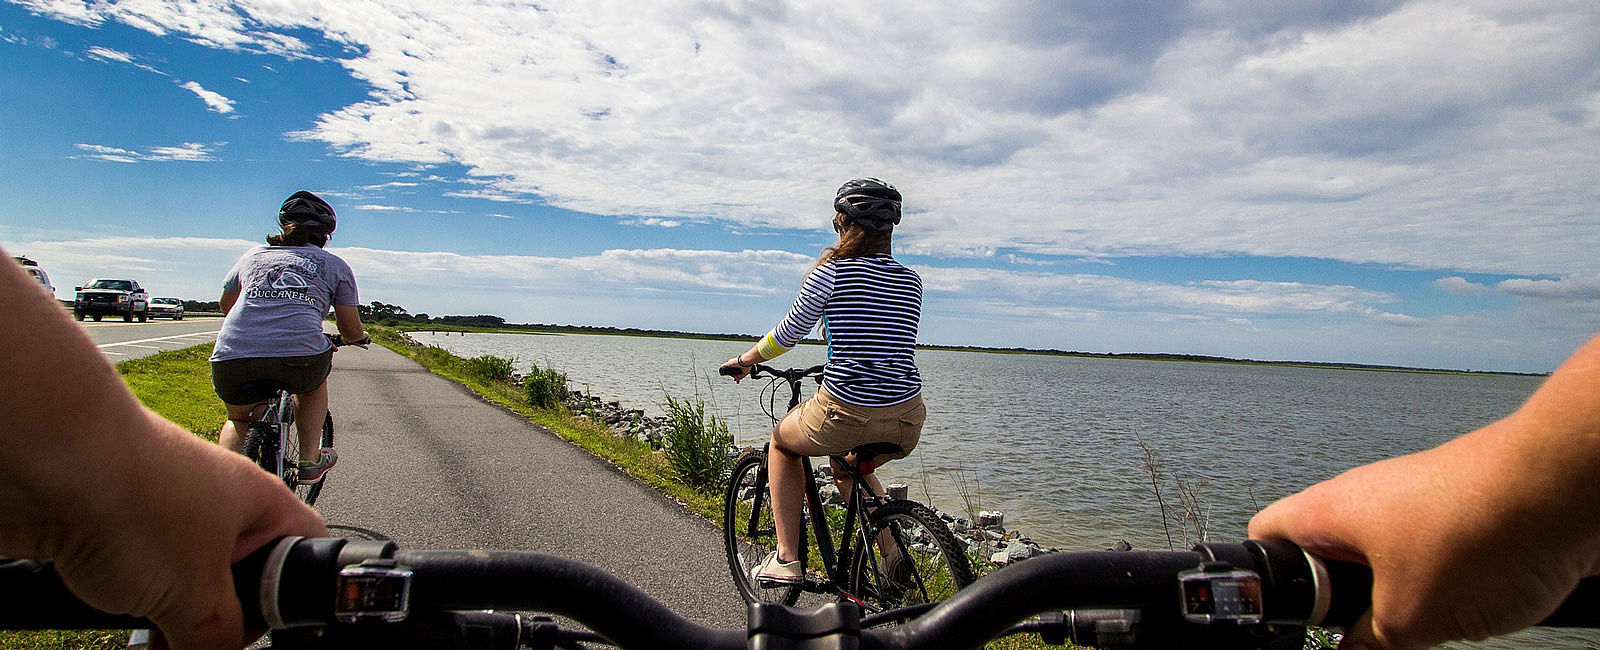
[307, 209]
[869, 202]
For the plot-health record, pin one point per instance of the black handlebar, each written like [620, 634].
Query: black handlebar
[1104, 599]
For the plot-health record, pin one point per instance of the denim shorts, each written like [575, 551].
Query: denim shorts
[242, 382]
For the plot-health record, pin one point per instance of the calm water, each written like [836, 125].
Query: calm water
[1053, 441]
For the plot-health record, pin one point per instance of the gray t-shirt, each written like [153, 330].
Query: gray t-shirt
[284, 294]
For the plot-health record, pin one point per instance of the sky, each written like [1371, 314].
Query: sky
[1391, 182]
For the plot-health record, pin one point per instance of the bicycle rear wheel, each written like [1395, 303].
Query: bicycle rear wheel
[309, 493]
[748, 530]
[261, 446]
[909, 557]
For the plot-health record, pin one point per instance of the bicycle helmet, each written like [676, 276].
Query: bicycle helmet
[307, 209]
[869, 202]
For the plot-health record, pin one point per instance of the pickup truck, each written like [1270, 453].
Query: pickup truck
[104, 297]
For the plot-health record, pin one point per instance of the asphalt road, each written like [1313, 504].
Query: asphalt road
[431, 466]
[119, 340]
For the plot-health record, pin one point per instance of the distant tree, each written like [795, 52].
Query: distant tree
[196, 305]
[382, 310]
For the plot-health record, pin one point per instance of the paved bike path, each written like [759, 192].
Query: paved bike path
[425, 462]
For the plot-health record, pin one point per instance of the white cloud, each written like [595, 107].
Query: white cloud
[653, 222]
[186, 152]
[1459, 286]
[1449, 135]
[214, 101]
[1579, 289]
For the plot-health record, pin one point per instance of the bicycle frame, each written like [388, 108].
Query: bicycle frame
[835, 561]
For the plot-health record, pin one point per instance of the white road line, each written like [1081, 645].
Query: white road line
[162, 338]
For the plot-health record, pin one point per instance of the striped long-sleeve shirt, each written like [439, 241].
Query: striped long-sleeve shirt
[869, 308]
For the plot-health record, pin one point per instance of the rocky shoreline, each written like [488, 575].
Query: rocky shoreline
[984, 534]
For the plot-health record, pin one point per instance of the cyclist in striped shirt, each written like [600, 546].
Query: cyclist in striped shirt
[869, 306]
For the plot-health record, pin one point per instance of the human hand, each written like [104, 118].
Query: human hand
[158, 539]
[1468, 540]
[736, 370]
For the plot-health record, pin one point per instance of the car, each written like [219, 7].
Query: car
[33, 269]
[111, 296]
[166, 308]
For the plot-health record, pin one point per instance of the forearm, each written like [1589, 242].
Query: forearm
[54, 453]
[348, 320]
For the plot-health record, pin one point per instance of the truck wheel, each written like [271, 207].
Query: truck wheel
[97, 318]
[144, 316]
[78, 315]
[127, 317]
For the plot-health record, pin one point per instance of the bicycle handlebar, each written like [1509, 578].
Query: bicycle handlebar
[348, 593]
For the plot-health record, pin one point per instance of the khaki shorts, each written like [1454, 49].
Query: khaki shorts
[242, 382]
[839, 427]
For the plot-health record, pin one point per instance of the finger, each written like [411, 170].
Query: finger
[222, 627]
[1360, 635]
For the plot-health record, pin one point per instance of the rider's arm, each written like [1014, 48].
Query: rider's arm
[229, 298]
[1481, 535]
[802, 317]
[348, 320]
[125, 502]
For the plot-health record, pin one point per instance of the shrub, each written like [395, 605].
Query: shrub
[491, 368]
[696, 444]
[545, 388]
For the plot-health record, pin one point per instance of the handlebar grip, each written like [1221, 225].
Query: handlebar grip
[35, 598]
[726, 371]
[1351, 590]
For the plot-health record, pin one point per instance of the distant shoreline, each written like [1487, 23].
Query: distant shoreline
[522, 328]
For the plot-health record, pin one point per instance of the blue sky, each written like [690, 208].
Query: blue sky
[1410, 183]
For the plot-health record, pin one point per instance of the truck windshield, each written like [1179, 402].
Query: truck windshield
[117, 285]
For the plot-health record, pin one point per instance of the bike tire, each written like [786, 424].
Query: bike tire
[939, 566]
[748, 539]
[309, 493]
[261, 446]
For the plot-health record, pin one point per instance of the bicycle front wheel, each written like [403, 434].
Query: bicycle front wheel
[309, 493]
[748, 530]
[908, 557]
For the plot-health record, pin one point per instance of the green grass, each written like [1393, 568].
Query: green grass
[176, 384]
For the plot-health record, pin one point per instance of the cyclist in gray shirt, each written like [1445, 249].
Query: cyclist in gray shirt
[275, 298]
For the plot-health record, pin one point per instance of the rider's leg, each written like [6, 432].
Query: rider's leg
[842, 479]
[231, 437]
[786, 477]
[310, 409]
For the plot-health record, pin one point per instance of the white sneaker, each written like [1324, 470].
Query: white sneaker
[771, 570]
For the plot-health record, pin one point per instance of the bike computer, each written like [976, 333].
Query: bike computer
[1215, 592]
[375, 590]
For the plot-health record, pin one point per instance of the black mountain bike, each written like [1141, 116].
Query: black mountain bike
[274, 446]
[890, 554]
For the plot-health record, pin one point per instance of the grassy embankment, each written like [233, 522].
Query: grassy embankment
[633, 457]
[176, 384]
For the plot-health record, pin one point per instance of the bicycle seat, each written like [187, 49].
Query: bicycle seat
[875, 449]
